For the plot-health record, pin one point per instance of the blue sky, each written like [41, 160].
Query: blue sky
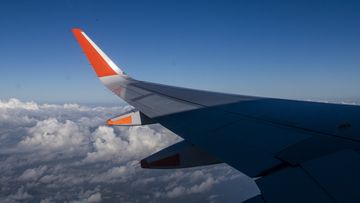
[297, 49]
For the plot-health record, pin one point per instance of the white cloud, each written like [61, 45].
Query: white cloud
[176, 192]
[89, 196]
[206, 184]
[20, 195]
[17, 104]
[136, 142]
[94, 197]
[46, 200]
[57, 153]
[52, 134]
[111, 175]
[33, 173]
[203, 186]
[106, 145]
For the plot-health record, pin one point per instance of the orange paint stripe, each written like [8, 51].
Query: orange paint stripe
[100, 66]
[123, 121]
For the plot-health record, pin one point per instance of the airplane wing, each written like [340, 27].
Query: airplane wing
[298, 151]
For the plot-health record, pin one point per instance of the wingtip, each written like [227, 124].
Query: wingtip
[101, 63]
[76, 29]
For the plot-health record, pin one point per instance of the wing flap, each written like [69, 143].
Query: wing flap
[322, 118]
[314, 147]
[179, 155]
[291, 185]
[338, 173]
[330, 178]
[242, 143]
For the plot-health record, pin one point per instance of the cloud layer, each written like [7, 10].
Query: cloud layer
[65, 153]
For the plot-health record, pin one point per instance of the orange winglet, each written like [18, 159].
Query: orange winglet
[101, 67]
[122, 121]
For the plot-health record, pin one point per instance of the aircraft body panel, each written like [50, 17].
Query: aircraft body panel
[293, 148]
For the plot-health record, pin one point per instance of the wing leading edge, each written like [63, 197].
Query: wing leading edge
[286, 143]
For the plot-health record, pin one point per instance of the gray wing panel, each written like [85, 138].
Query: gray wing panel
[331, 178]
[256, 199]
[246, 144]
[151, 103]
[338, 174]
[231, 127]
[292, 185]
[314, 147]
[332, 119]
[201, 97]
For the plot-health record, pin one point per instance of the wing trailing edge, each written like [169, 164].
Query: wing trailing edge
[179, 155]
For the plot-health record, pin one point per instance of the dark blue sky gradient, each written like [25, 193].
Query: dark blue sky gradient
[288, 49]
